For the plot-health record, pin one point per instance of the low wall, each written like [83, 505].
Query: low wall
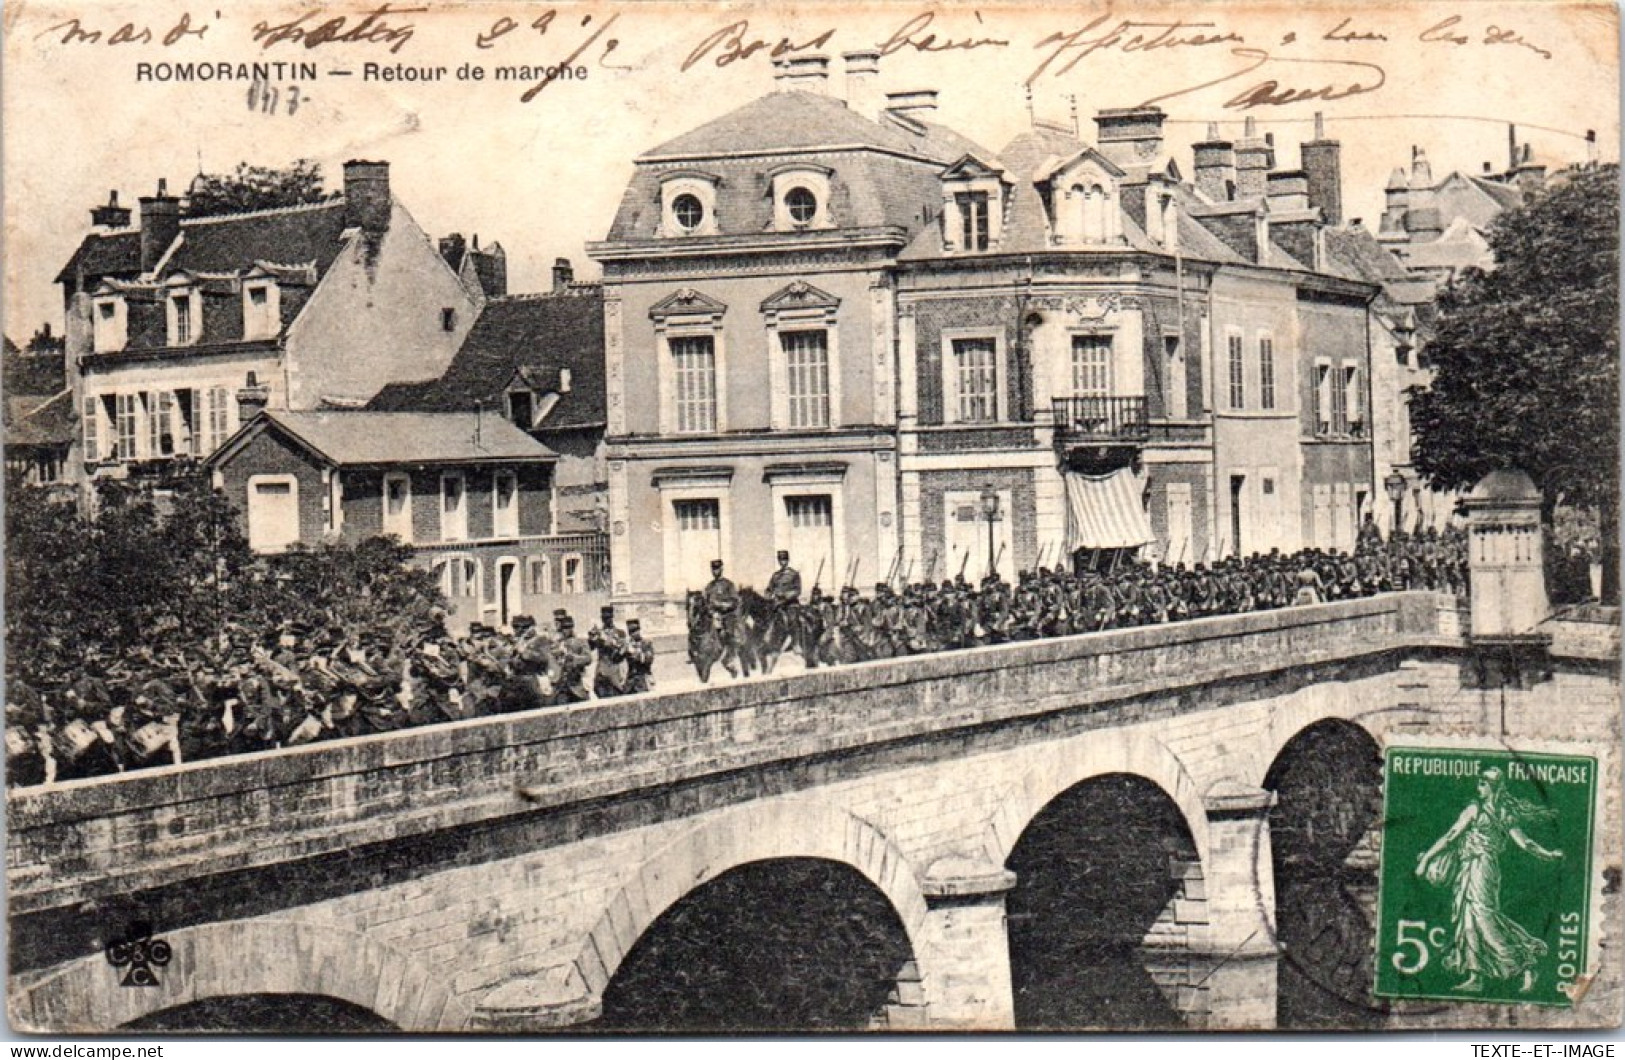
[117, 835]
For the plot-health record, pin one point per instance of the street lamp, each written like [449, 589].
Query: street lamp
[990, 511]
[1394, 484]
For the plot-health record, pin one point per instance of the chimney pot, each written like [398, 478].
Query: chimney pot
[563, 274]
[252, 399]
[863, 83]
[564, 380]
[918, 101]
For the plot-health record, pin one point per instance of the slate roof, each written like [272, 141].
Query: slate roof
[1356, 255]
[389, 438]
[868, 188]
[292, 235]
[539, 334]
[1026, 231]
[104, 254]
[793, 120]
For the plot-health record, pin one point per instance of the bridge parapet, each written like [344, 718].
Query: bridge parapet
[117, 835]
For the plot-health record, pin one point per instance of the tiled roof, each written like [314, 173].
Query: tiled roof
[538, 333]
[52, 423]
[104, 254]
[1355, 254]
[31, 374]
[291, 236]
[375, 438]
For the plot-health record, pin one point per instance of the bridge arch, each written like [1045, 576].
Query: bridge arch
[781, 830]
[1084, 758]
[237, 958]
[1324, 825]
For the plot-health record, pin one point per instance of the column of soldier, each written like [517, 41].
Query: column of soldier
[928, 617]
[241, 692]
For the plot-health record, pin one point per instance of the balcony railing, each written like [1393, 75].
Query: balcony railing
[1083, 420]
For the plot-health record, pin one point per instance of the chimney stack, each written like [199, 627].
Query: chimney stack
[252, 399]
[1287, 191]
[804, 73]
[1254, 159]
[452, 248]
[1530, 175]
[863, 83]
[1130, 136]
[160, 224]
[1323, 165]
[366, 196]
[563, 274]
[920, 103]
[1398, 201]
[112, 215]
[1216, 166]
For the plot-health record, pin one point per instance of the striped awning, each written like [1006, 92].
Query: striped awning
[1105, 511]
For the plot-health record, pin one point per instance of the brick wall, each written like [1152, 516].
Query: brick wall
[995, 315]
[267, 454]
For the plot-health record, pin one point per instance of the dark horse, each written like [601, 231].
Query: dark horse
[763, 630]
[705, 647]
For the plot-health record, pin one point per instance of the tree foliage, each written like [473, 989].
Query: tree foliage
[175, 571]
[1526, 355]
[256, 188]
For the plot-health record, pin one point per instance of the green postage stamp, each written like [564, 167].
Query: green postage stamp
[1485, 890]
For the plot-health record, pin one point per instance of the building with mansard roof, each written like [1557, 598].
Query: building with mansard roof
[834, 326]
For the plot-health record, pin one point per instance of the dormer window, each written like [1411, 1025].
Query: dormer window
[688, 211]
[802, 205]
[801, 196]
[183, 310]
[688, 204]
[261, 309]
[522, 409]
[1083, 199]
[973, 220]
[973, 198]
[109, 323]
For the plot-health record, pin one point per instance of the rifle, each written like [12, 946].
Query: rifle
[851, 571]
[964, 560]
[908, 572]
[897, 561]
[820, 573]
[998, 556]
[931, 568]
[1182, 543]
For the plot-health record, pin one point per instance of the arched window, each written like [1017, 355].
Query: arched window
[459, 578]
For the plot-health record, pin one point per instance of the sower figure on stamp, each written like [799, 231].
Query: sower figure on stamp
[1467, 859]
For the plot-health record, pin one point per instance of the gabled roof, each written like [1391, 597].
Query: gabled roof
[541, 333]
[104, 254]
[375, 439]
[1355, 254]
[53, 422]
[969, 167]
[780, 121]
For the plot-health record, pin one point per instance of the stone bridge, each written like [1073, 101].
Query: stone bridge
[1168, 826]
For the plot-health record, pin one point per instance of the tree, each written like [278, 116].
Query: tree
[1526, 357]
[255, 188]
[172, 570]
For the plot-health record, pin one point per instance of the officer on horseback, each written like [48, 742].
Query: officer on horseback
[784, 587]
[722, 598]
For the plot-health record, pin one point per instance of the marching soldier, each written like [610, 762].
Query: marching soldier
[570, 658]
[610, 676]
[640, 659]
